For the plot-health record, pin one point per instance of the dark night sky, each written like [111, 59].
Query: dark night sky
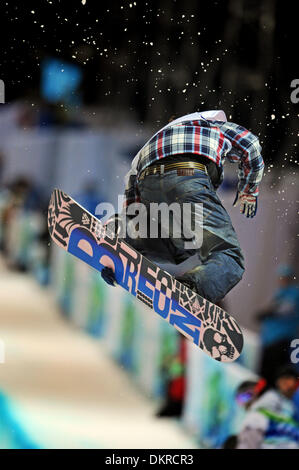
[159, 58]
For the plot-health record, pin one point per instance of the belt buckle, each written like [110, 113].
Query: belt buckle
[185, 171]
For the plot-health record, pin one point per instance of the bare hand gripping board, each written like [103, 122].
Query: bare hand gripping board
[208, 326]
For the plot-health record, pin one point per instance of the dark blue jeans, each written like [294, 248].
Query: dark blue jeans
[220, 263]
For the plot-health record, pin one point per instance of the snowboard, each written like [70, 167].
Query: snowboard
[83, 235]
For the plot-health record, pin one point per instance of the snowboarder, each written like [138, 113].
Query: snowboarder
[183, 162]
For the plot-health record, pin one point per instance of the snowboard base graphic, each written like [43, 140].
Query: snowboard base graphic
[80, 233]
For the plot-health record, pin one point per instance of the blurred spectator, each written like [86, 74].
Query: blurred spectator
[296, 402]
[269, 422]
[27, 116]
[287, 382]
[279, 325]
[176, 384]
[48, 115]
[25, 194]
[20, 194]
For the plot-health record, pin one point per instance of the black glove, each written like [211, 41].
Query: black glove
[109, 276]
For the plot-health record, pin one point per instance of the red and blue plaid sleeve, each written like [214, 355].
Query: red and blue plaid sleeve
[246, 150]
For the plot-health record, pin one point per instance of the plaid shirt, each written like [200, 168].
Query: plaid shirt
[215, 140]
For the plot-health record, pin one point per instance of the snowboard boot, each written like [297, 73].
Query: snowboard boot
[109, 276]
